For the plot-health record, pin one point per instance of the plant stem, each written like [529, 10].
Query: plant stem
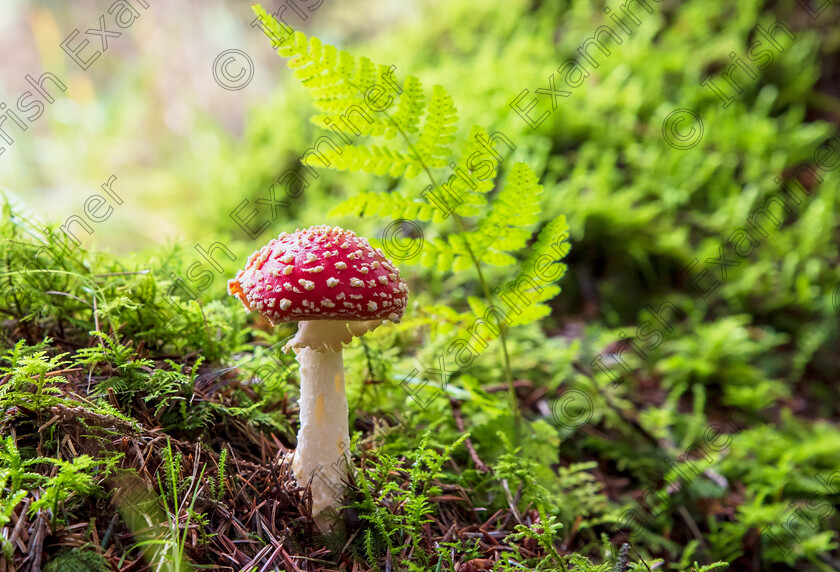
[514, 404]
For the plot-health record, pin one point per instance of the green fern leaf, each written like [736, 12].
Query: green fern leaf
[370, 159]
[410, 109]
[549, 249]
[507, 227]
[474, 197]
[438, 130]
[334, 79]
[446, 255]
[466, 198]
[542, 268]
[338, 84]
[386, 205]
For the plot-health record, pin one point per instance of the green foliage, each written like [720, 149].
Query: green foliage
[431, 149]
[15, 482]
[544, 532]
[638, 213]
[394, 515]
[218, 486]
[567, 493]
[507, 226]
[78, 560]
[14, 474]
[77, 477]
[336, 82]
[30, 372]
[727, 349]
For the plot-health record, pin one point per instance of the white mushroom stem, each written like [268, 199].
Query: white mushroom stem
[324, 438]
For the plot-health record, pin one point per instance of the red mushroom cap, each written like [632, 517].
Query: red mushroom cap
[321, 273]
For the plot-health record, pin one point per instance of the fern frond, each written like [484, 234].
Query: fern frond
[473, 197]
[464, 193]
[365, 74]
[550, 247]
[392, 205]
[326, 72]
[507, 227]
[370, 159]
[438, 130]
[334, 79]
[339, 83]
[369, 551]
[446, 255]
[410, 109]
[534, 284]
[542, 268]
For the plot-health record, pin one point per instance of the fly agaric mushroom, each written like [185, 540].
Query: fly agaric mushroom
[336, 286]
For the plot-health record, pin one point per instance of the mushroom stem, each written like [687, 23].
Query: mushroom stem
[324, 437]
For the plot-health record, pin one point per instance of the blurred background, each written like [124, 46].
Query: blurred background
[148, 110]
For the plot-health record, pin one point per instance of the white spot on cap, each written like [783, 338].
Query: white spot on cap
[311, 257]
[372, 307]
[288, 270]
[383, 280]
[287, 258]
[332, 282]
[307, 284]
[356, 283]
[285, 303]
[340, 265]
[315, 270]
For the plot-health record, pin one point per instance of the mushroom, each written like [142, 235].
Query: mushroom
[336, 286]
